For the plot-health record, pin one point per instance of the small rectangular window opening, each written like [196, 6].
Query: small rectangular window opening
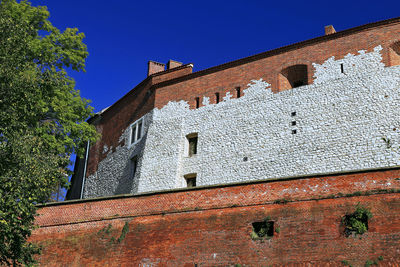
[293, 113]
[294, 131]
[139, 131]
[190, 180]
[293, 123]
[216, 98]
[237, 92]
[341, 68]
[192, 144]
[134, 166]
[197, 102]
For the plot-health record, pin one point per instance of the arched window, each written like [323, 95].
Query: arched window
[394, 54]
[293, 76]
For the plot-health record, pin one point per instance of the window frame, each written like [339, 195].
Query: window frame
[135, 126]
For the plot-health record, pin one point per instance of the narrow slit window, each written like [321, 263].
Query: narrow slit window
[197, 102]
[190, 180]
[216, 98]
[134, 166]
[238, 92]
[341, 68]
[191, 144]
[139, 131]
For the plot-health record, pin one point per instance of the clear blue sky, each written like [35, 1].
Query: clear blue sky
[123, 35]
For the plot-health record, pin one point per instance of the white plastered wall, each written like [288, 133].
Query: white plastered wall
[344, 121]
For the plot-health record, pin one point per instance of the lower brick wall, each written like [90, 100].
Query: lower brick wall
[212, 226]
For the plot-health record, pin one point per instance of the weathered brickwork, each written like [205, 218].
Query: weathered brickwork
[211, 226]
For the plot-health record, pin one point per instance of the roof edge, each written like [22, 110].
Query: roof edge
[279, 50]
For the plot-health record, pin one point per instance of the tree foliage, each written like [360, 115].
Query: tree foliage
[42, 119]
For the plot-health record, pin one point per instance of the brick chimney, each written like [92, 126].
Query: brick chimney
[329, 29]
[173, 64]
[155, 67]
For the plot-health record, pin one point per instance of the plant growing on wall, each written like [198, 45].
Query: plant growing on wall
[262, 230]
[357, 222]
[42, 119]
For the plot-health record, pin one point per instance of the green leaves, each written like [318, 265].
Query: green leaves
[42, 119]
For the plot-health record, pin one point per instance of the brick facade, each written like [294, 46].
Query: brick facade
[211, 226]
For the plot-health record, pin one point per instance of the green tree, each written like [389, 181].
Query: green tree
[42, 119]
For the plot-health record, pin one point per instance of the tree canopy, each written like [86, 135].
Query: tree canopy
[42, 119]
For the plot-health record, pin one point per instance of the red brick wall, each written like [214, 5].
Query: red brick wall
[269, 68]
[211, 226]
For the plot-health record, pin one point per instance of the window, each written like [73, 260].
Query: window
[190, 180]
[216, 98]
[191, 144]
[133, 166]
[136, 131]
[197, 102]
[237, 92]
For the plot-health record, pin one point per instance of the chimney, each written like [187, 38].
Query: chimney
[155, 67]
[173, 64]
[329, 29]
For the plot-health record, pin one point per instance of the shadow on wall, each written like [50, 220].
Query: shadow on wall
[129, 182]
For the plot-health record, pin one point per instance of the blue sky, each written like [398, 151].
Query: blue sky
[123, 35]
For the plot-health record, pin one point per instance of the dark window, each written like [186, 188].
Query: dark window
[134, 166]
[341, 68]
[192, 145]
[294, 131]
[217, 98]
[197, 102]
[293, 123]
[293, 113]
[238, 92]
[139, 132]
[190, 180]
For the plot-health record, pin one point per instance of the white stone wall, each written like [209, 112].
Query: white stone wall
[344, 121]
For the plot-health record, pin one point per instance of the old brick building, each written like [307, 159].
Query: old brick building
[192, 167]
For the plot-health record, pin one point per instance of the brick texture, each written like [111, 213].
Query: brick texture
[211, 226]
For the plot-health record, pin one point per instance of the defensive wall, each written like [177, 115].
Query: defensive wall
[212, 226]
